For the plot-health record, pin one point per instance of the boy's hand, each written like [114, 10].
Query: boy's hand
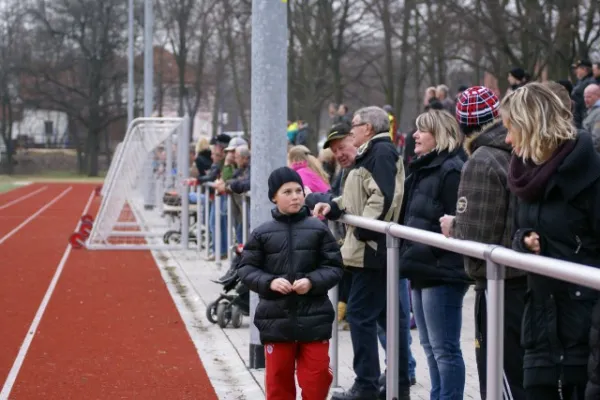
[302, 286]
[281, 285]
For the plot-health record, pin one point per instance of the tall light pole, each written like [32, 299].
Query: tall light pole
[268, 121]
[130, 63]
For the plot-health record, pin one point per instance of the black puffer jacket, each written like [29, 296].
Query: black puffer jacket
[557, 317]
[292, 247]
[430, 191]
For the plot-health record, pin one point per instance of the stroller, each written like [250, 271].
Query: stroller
[172, 209]
[230, 307]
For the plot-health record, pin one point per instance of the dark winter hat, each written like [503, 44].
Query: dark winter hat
[476, 107]
[280, 177]
[518, 73]
[222, 140]
[582, 63]
[338, 131]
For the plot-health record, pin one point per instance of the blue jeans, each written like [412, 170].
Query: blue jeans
[366, 308]
[404, 326]
[223, 227]
[438, 313]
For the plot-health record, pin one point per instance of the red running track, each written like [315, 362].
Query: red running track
[110, 330]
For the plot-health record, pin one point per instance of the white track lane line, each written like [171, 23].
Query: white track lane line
[14, 371]
[10, 203]
[34, 215]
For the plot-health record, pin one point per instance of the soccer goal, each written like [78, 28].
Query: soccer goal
[153, 159]
[111, 169]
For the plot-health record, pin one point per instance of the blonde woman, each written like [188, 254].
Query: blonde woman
[555, 174]
[437, 277]
[309, 168]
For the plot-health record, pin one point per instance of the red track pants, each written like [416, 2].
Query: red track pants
[314, 374]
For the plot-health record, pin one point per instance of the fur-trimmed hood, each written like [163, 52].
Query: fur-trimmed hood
[492, 134]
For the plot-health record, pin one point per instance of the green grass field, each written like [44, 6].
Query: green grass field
[8, 182]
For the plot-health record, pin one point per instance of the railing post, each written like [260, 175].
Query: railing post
[393, 315]
[206, 221]
[495, 326]
[218, 227]
[333, 344]
[200, 208]
[229, 227]
[244, 219]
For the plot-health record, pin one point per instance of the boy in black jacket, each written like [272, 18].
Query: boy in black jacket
[292, 262]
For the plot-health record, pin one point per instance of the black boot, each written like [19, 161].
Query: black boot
[403, 393]
[354, 393]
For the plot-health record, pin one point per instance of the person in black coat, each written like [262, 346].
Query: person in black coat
[555, 175]
[438, 280]
[291, 262]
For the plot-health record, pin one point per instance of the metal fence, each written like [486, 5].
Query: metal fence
[496, 258]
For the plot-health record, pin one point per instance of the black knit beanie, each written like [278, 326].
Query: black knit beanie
[280, 177]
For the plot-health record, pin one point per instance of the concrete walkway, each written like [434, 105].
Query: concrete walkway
[224, 352]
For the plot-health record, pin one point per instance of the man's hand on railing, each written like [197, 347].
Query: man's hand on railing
[220, 186]
[532, 242]
[190, 182]
[321, 209]
[446, 224]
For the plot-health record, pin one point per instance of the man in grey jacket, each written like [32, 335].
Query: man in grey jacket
[591, 123]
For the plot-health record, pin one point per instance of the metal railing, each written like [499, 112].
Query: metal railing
[496, 258]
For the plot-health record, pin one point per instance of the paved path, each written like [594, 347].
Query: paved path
[191, 270]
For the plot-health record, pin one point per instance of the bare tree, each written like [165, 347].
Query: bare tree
[189, 25]
[78, 65]
[12, 54]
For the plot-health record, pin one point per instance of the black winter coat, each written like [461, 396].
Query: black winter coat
[556, 321]
[430, 191]
[292, 247]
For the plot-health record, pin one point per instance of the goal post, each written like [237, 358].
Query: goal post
[155, 153]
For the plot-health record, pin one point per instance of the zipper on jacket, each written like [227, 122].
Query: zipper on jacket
[578, 240]
[293, 296]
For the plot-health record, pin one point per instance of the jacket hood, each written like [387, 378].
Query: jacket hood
[580, 168]
[491, 135]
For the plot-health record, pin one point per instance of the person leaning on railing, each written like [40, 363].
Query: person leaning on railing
[374, 189]
[555, 174]
[485, 213]
[438, 280]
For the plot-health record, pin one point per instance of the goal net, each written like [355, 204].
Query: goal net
[151, 163]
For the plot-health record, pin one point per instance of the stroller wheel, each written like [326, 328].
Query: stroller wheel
[172, 237]
[211, 312]
[236, 317]
[223, 313]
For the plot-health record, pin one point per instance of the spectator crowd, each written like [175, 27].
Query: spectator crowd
[521, 172]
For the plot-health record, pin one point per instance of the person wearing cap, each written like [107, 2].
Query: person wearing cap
[596, 72]
[373, 189]
[218, 143]
[484, 213]
[585, 77]
[292, 262]
[237, 184]
[517, 77]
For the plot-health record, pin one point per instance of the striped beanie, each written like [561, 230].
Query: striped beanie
[476, 107]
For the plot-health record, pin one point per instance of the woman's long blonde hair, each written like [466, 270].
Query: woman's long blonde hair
[444, 128]
[302, 153]
[538, 121]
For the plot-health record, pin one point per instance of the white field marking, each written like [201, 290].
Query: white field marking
[14, 371]
[34, 215]
[10, 203]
